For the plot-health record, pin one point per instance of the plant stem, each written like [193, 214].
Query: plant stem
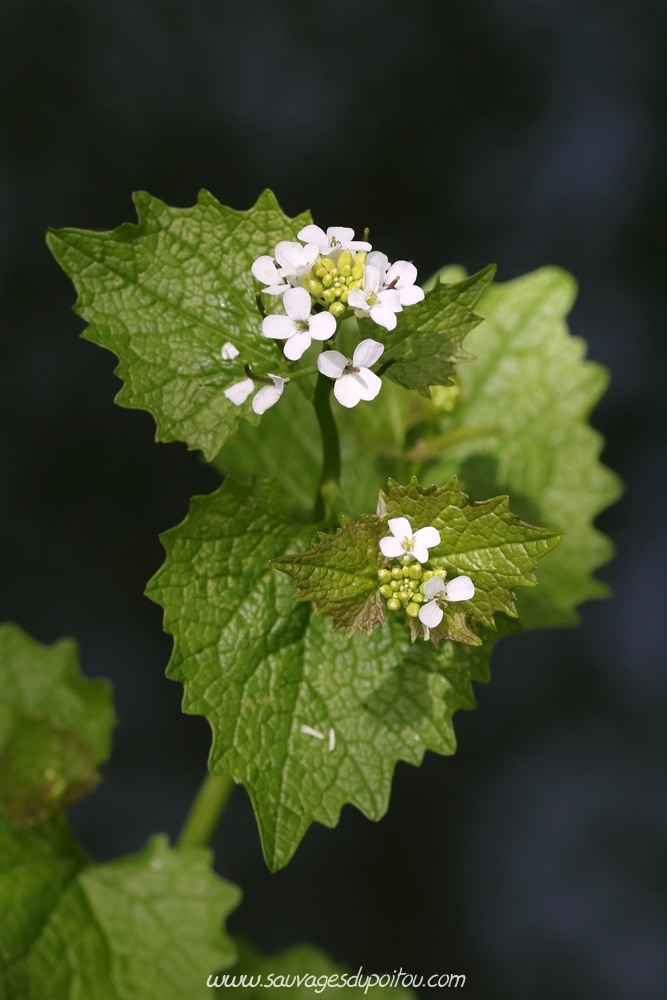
[329, 504]
[206, 810]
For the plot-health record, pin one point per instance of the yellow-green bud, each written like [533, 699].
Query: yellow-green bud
[415, 571]
[327, 280]
[442, 573]
[315, 288]
[337, 308]
[355, 284]
[393, 604]
[343, 295]
[345, 260]
[386, 590]
[397, 573]
[320, 271]
[345, 270]
[328, 294]
[328, 263]
[384, 575]
[405, 572]
[360, 259]
[411, 585]
[403, 595]
[418, 598]
[426, 575]
[396, 585]
[412, 610]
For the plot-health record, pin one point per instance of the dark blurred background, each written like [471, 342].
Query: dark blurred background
[519, 131]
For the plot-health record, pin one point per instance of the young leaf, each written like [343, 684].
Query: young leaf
[306, 719]
[145, 926]
[166, 294]
[304, 969]
[55, 726]
[481, 540]
[520, 427]
[428, 337]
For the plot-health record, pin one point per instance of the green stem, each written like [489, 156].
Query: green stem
[329, 504]
[205, 811]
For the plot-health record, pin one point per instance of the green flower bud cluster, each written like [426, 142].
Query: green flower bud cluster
[403, 586]
[331, 281]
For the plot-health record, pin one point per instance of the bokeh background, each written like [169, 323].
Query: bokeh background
[524, 132]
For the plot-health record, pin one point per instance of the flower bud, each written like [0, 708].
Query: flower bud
[315, 288]
[426, 575]
[395, 585]
[416, 571]
[337, 308]
[384, 575]
[345, 260]
[412, 610]
[442, 573]
[418, 598]
[403, 595]
[320, 271]
[328, 263]
[328, 294]
[386, 591]
[397, 573]
[327, 281]
[360, 259]
[393, 604]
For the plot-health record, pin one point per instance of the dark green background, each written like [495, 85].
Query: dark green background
[518, 131]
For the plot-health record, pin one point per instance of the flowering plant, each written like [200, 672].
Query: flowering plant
[333, 601]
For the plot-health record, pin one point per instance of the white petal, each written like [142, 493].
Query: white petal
[378, 260]
[391, 547]
[278, 327]
[322, 326]
[276, 289]
[430, 614]
[313, 234]
[239, 392]
[404, 271]
[265, 270]
[366, 353]
[278, 381]
[367, 382]
[460, 589]
[357, 300]
[266, 397]
[340, 234]
[400, 527]
[433, 587]
[372, 279]
[383, 317]
[288, 255]
[420, 552]
[391, 299]
[411, 295]
[297, 345]
[297, 304]
[345, 391]
[357, 245]
[332, 363]
[228, 352]
[428, 536]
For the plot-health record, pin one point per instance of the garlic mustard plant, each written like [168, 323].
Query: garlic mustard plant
[300, 592]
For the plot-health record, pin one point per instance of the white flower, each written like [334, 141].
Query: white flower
[298, 327]
[295, 260]
[267, 270]
[336, 238]
[382, 304]
[354, 380]
[239, 392]
[459, 589]
[269, 394]
[400, 276]
[402, 541]
[228, 352]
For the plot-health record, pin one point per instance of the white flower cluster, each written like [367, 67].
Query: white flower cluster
[319, 278]
[403, 543]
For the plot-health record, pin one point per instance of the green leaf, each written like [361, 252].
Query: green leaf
[520, 427]
[303, 970]
[481, 540]
[55, 726]
[145, 926]
[165, 295]
[259, 667]
[428, 337]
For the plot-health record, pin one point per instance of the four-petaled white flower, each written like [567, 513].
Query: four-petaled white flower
[298, 327]
[269, 394]
[401, 275]
[336, 238]
[403, 542]
[354, 380]
[381, 303]
[459, 589]
[267, 270]
[289, 264]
